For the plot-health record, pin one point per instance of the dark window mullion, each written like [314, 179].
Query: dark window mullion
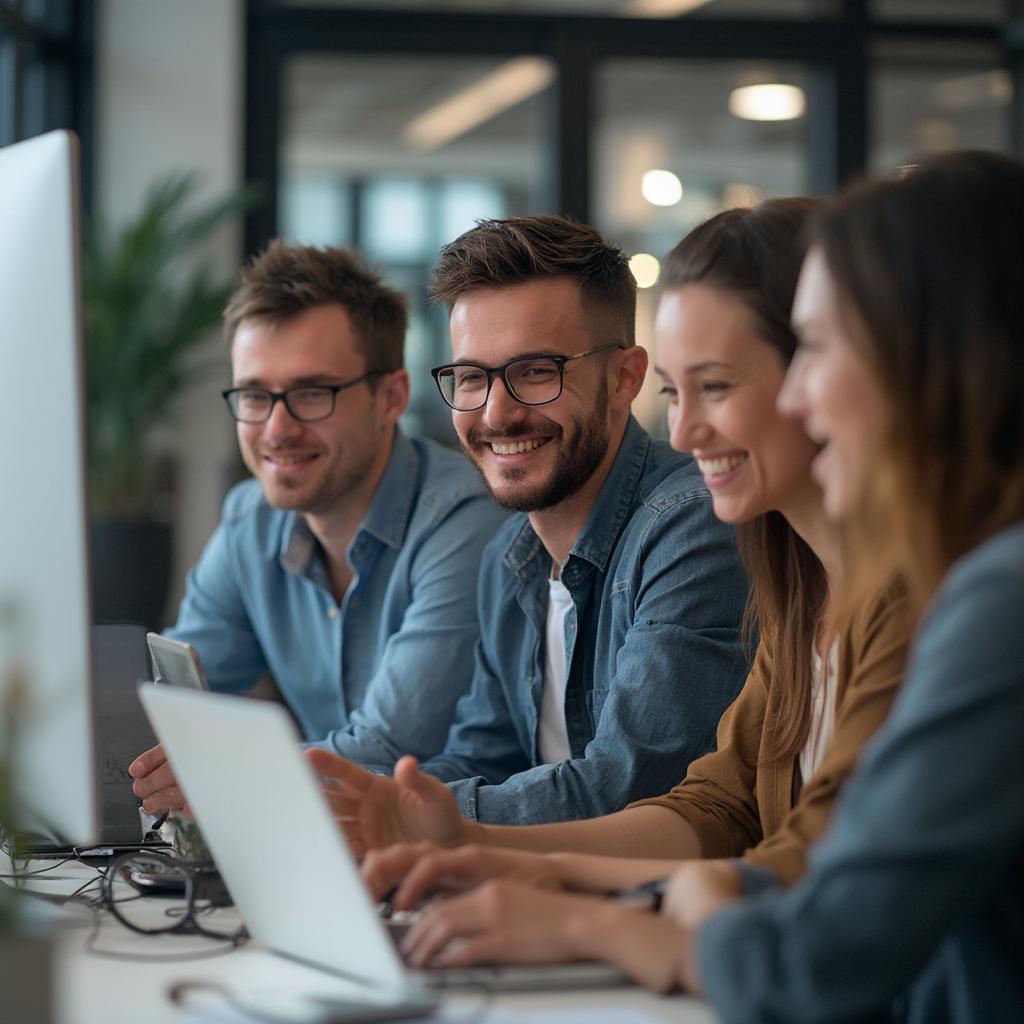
[1013, 41]
[8, 90]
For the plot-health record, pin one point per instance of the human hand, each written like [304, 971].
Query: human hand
[373, 811]
[155, 782]
[699, 889]
[419, 868]
[510, 922]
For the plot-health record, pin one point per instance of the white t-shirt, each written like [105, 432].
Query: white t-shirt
[552, 737]
[823, 712]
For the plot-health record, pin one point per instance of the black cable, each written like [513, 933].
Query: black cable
[19, 875]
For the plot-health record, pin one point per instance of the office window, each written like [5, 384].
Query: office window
[316, 209]
[674, 145]
[44, 49]
[55, 15]
[631, 100]
[924, 102]
[397, 155]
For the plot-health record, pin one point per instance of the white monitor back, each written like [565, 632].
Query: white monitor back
[44, 595]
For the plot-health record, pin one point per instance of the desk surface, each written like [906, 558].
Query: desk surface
[109, 975]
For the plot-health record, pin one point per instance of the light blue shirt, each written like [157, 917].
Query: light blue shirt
[913, 905]
[379, 675]
[652, 644]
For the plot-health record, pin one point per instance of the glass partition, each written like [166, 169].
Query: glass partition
[676, 142]
[397, 155]
[927, 100]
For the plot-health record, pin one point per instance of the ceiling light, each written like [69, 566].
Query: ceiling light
[768, 102]
[645, 269]
[663, 8]
[516, 80]
[661, 188]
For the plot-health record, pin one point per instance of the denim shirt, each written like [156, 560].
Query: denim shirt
[916, 892]
[652, 646]
[379, 675]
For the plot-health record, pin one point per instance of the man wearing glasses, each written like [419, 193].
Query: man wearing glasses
[610, 607]
[346, 569]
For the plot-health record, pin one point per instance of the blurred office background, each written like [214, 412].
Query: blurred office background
[391, 125]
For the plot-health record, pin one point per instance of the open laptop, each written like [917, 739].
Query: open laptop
[279, 849]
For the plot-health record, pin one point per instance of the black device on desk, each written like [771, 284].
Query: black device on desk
[121, 731]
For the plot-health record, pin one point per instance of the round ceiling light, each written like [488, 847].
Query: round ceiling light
[645, 269]
[661, 188]
[768, 102]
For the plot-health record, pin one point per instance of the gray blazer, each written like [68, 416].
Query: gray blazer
[913, 905]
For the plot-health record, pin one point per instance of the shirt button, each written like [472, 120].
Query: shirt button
[332, 612]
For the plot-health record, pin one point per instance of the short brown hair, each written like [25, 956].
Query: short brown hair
[285, 280]
[497, 253]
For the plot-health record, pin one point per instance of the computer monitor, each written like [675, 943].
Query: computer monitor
[44, 592]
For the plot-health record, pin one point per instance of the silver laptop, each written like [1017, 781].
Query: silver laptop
[288, 868]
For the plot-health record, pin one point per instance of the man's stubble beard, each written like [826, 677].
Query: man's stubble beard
[334, 486]
[573, 466]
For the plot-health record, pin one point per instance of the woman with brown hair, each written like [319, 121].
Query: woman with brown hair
[911, 375]
[815, 694]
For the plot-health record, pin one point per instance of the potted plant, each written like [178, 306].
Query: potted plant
[150, 299]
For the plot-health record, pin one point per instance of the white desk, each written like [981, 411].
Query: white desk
[95, 989]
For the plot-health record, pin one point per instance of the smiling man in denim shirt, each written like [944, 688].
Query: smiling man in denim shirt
[610, 608]
[346, 569]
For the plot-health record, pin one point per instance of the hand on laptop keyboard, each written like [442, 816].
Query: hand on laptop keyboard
[407, 873]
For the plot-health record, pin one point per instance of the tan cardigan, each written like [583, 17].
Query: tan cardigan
[741, 807]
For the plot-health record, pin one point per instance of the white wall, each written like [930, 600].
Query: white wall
[169, 97]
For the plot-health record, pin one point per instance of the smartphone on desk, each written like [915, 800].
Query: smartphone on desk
[176, 663]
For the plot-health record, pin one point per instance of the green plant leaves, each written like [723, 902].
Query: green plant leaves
[150, 299]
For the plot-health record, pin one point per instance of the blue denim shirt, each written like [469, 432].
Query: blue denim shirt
[379, 675]
[916, 892]
[652, 644]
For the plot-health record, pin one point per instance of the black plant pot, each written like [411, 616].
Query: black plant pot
[27, 977]
[131, 571]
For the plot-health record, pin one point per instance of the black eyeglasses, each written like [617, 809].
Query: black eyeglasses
[306, 403]
[152, 893]
[530, 380]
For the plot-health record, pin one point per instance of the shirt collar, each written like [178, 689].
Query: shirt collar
[386, 520]
[391, 508]
[613, 506]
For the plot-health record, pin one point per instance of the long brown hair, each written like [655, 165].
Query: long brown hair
[929, 275]
[755, 255]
